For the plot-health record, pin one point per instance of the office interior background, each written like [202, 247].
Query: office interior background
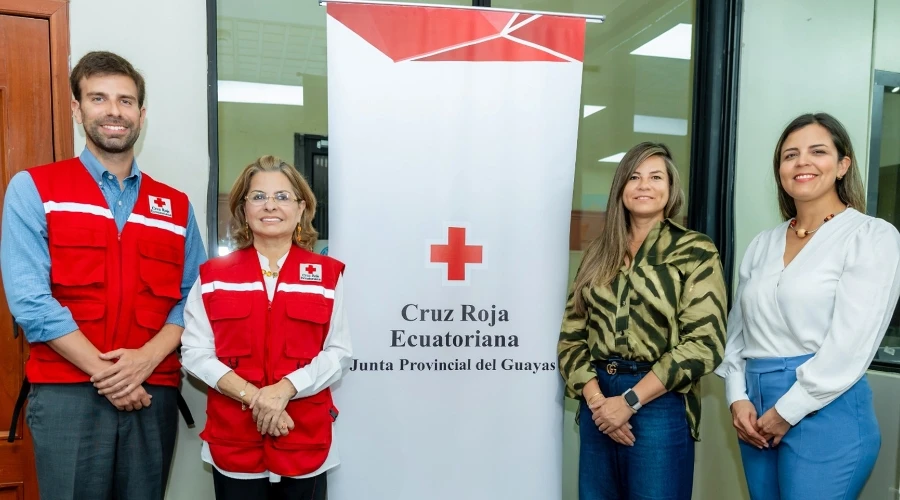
[716, 80]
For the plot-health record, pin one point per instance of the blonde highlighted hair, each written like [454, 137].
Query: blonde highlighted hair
[240, 231]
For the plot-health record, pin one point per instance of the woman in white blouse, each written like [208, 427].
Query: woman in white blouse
[265, 329]
[815, 297]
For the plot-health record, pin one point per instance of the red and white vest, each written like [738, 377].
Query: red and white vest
[263, 342]
[119, 287]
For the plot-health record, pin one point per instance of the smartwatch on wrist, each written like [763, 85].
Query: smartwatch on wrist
[631, 398]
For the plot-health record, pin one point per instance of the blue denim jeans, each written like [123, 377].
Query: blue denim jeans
[828, 455]
[660, 465]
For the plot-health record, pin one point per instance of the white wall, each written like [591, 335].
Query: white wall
[166, 41]
[887, 35]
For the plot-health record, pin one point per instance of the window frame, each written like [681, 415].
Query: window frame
[212, 106]
[881, 80]
[716, 56]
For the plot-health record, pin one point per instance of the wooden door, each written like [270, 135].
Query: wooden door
[35, 129]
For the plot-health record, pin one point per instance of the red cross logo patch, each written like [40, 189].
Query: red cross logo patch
[311, 272]
[160, 206]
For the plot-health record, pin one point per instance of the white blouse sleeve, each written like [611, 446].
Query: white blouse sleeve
[336, 357]
[198, 348]
[733, 363]
[864, 303]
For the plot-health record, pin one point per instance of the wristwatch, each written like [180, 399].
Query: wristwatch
[632, 399]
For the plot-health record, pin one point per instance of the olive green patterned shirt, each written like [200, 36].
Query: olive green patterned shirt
[668, 309]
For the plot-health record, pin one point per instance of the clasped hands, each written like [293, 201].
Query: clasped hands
[770, 428]
[121, 381]
[611, 416]
[268, 404]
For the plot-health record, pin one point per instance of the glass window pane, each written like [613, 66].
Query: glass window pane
[888, 203]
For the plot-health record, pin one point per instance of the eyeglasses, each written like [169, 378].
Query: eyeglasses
[259, 198]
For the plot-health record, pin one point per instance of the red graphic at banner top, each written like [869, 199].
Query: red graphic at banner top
[406, 33]
[498, 49]
[456, 254]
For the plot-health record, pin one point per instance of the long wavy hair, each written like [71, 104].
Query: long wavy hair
[850, 188]
[240, 231]
[607, 252]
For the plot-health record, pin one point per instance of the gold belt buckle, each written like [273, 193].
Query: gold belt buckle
[612, 368]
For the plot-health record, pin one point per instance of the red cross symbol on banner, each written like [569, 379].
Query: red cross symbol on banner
[158, 202]
[456, 254]
[310, 269]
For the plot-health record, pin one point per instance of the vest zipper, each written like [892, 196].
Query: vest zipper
[119, 302]
[268, 338]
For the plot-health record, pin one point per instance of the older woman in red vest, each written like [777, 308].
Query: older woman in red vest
[265, 329]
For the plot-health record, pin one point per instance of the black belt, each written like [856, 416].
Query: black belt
[185, 411]
[625, 366]
[26, 387]
[20, 402]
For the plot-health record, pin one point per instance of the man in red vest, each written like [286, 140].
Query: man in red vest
[96, 258]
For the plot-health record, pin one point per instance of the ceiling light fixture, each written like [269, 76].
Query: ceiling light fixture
[675, 44]
[589, 110]
[660, 125]
[616, 158]
[260, 93]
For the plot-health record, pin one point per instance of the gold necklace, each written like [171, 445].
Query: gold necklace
[270, 274]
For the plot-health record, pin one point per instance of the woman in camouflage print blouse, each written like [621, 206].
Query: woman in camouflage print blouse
[645, 320]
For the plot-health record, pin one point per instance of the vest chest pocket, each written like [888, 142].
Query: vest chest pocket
[227, 424]
[312, 418]
[305, 335]
[304, 449]
[161, 268]
[77, 256]
[231, 327]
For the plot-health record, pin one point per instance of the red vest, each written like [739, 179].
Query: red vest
[119, 287]
[263, 342]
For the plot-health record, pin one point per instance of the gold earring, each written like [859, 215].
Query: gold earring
[299, 230]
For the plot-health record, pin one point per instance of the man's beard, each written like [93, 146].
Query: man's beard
[112, 145]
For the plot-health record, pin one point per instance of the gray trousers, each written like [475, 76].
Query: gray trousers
[86, 449]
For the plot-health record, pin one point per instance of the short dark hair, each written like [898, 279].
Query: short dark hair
[104, 63]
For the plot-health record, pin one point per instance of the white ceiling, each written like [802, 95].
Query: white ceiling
[269, 51]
